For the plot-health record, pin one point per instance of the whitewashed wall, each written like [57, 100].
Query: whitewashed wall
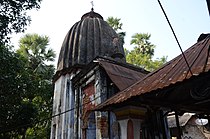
[136, 127]
[63, 101]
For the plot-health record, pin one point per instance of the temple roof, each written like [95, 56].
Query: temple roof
[87, 39]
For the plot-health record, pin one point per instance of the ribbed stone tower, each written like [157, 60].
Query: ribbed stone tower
[89, 38]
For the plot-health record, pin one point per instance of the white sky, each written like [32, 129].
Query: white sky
[189, 19]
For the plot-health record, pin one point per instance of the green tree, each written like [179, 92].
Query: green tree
[33, 48]
[17, 113]
[26, 88]
[114, 23]
[13, 16]
[142, 44]
[117, 26]
[143, 53]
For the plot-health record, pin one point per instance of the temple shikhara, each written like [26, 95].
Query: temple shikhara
[98, 95]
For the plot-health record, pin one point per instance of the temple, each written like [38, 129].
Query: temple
[98, 95]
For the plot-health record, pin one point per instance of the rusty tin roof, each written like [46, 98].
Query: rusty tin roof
[172, 72]
[116, 71]
[122, 76]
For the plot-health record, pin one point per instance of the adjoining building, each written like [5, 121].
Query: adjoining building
[191, 126]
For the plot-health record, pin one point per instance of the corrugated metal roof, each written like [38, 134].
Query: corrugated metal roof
[117, 71]
[172, 72]
[122, 76]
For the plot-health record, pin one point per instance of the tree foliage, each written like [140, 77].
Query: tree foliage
[143, 53]
[13, 16]
[15, 82]
[116, 24]
[27, 90]
[33, 48]
[142, 44]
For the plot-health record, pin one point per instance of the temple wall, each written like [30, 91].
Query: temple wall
[62, 125]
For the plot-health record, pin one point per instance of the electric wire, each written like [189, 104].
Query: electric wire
[175, 36]
[50, 118]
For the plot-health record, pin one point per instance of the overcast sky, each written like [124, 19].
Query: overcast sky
[189, 19]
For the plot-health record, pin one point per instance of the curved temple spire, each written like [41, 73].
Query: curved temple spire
[89, 38]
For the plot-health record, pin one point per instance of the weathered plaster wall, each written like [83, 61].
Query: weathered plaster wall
[91, 127]
[80, 98]
[95, 91]
[101, 95]
[55, 129]
[123, 128]
[114, 126]
[63, 100]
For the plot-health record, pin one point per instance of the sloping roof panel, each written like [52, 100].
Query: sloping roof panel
[172, 72]
[122, 76]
